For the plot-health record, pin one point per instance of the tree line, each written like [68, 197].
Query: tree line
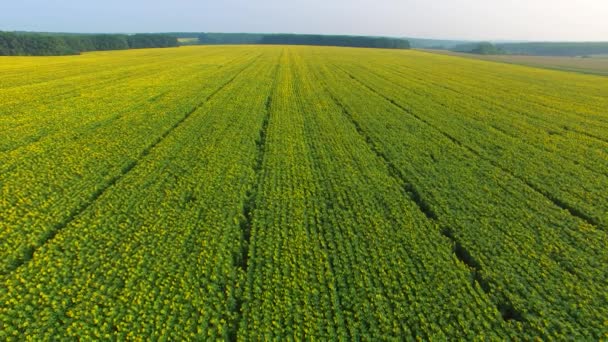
[556, 49]
[535, 49]
[42, 44]
[483, 48]
[303, 39]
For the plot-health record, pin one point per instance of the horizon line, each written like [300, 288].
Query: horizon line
[495, 40]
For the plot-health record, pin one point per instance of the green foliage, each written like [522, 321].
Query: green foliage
[497, 171]
[323, 40]
[229, 38]
[303, 39]
[487, 49]
[438, 44]
[484, 48]
[535, 48]
[139, 41]
[300, 193]
[556, 49]
[38, 44]
[33, 44]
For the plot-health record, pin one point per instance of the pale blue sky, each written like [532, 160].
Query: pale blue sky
[450, 19]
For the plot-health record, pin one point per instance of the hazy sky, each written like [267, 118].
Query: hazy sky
[454, 19]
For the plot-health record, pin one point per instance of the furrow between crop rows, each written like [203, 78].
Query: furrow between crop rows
[249, 206]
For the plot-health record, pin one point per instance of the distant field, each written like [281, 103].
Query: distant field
[597, 64]
[187, 40]
[300, 193]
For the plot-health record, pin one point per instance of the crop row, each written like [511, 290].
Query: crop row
[532, 255]
[553, 160]
[40, 110]
[273, 193]
[158, 254]
[338, 250]
[45, 185]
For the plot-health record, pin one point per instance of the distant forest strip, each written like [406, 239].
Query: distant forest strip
[303, 39]
[595, 65]
[43, 44]
[567, 49]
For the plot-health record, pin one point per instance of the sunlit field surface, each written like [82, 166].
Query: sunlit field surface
[595, 65]
[273, 193]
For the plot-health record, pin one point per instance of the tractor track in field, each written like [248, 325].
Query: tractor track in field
[249, 202]
[29, 251]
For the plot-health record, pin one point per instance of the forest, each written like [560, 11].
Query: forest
[556, 49]
[303, 39]
[48, 44]
[534, 49]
